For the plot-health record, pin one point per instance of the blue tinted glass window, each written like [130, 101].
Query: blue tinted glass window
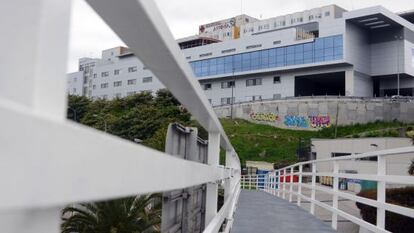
[318, 43]
[228, 64]
[237, 63]
[328, 42]
[246, 61]
[272, 57]
[322, 49]
[205, 67]
[308, 47]
[264, 59]
[255, 60]
[338, 41]
[213, 66]
[220, 65]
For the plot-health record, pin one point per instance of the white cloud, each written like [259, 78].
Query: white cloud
[90, 35]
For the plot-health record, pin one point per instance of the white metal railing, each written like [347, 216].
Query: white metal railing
[47, 162]
[288, 182]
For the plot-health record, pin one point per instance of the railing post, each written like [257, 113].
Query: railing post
[381, 191]
[299, 184]
[250, 182]
[291, 184]
[279, 183]
[212, 188]
[35, 38]
[284, 184]
[335, 194]
[313, 191]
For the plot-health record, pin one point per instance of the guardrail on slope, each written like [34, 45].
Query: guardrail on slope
[47, 162]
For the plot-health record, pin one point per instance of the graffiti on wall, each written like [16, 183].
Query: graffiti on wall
[306, 122]
[319, 121]
[296, 121]
[266, 117]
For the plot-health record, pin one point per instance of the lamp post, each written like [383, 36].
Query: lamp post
[74, 113]
[104, 121]
[232, 95]
[398, 38]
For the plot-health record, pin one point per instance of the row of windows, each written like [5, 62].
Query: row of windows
[249, 82]
[320, 50]
[129, 82]
[119, 95]
[282, 23]
[117, 72]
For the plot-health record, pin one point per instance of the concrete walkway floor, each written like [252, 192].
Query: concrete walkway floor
[260, 212]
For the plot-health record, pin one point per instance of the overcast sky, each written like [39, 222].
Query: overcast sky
[90, 35]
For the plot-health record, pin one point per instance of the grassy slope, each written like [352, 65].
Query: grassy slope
[266, 143]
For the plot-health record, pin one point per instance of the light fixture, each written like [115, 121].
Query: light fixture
[373, 23]
[367, 20]
[381, 26]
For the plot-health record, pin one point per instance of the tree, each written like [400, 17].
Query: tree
[77, 107]
[126, 215]
[411, 168]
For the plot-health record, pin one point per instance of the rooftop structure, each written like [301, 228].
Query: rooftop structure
[323, 51]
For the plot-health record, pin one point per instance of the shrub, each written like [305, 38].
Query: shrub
[393, 222]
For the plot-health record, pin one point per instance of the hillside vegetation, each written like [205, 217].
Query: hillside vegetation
[267, 143]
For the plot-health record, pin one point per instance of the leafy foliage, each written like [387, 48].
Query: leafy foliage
[126, 215]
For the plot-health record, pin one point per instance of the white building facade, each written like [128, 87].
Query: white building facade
[322, 51]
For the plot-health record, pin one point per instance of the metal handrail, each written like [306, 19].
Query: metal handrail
[276, 184]
[61, 162]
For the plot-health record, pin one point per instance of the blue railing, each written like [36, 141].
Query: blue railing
[321, 49]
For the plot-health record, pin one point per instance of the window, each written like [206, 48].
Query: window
[276, 79]
[310, 17]
[254, 98]
[253, 82]
[227, 100]
[253, 46]
[206, 54]
[277, 42]
[277, 96]
[228, 50]
[94, 87]
[188, 58]
[118, 95]
[147, 79]
[94, 75]
[327, 13]
[132, 69]
[207, 86]
[229, 84]
[117, 83]
[132, 82]
[321, 49]
[105, 74]
[209, 100]
[104, 85]
[116, 72]
[339, 154]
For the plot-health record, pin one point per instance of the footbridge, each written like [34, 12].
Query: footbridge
[47, 162]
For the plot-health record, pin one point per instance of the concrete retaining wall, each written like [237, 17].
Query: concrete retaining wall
[316, 113]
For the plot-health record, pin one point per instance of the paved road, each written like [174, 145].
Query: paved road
[260, 212]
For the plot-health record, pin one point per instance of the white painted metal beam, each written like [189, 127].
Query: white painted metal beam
[47, 162]
[143, 29]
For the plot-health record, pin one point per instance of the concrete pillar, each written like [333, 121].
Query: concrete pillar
[349, 83]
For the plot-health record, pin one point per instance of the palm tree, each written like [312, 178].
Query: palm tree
[127, 215]
[411, 168]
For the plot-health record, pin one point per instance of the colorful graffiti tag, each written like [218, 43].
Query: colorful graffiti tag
[306, 122]
[267, 117]
[296, 121]
[320, 121]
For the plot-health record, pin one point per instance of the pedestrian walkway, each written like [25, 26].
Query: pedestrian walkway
[260, 212]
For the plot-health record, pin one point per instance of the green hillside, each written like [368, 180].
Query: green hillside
[266, 143]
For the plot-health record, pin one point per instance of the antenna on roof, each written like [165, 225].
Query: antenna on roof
[241, 7]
